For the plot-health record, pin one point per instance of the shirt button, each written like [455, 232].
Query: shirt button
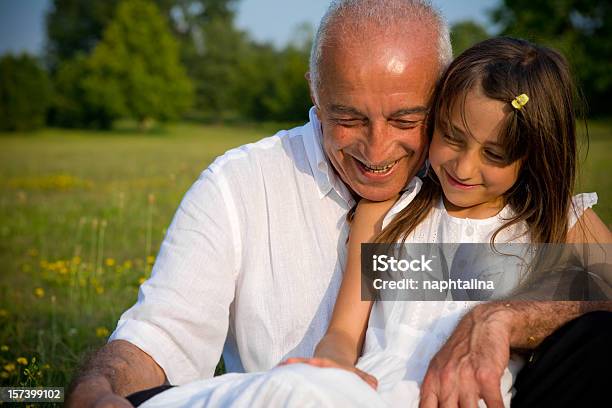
[469, 231]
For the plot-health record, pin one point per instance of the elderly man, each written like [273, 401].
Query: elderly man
[253, 259]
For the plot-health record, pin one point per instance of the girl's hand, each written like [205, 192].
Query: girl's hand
[328, 363]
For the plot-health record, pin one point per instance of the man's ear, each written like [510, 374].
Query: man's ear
[311, 89]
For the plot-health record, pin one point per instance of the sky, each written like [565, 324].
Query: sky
[22, 26]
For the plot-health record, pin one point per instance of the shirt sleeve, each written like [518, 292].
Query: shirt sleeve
[580, 203]
[181, 316]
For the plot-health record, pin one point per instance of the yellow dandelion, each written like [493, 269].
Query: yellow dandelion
[4, 347]
[150, 259]
[76, 260]
[22, 360]
[109, 262]
[102, 332]
[4, 375]
[10, 367]
[39, 292]
[99, 290]
[63, 270]
[127, 264]
[141, 280]
[46, 366]
[3, 313]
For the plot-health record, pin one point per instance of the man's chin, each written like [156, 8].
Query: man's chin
[377, 193]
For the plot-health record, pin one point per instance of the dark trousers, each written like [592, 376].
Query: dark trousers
[139, 397]
[571, 368]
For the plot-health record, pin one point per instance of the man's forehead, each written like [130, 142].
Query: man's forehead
[376, 40]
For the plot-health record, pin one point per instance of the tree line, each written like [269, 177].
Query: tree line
[168, 59]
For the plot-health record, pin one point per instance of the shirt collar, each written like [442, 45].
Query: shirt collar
[324, 174]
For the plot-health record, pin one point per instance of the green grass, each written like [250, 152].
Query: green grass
[82, 215]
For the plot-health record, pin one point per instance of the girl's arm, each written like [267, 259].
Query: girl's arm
[344, 338]
[589, 229]
[597, 254]
[341, 346]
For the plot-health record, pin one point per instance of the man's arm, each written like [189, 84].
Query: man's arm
[532, 322]
[471, 363]
[118, 369]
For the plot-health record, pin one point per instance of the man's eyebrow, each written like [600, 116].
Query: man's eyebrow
[409, 111]
[345, 109]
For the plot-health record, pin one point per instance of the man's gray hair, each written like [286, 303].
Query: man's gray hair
[383, 13]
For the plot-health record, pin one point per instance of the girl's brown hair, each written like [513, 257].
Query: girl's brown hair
[541, 134]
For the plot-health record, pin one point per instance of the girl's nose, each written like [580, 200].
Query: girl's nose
[465, 166]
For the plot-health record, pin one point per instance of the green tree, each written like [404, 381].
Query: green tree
[580, 29]
[135, 70]
[211, 50]
[70, 107]
[76, 26]
[213, 63]
[464, 34]
[24, 93]
[270, 84]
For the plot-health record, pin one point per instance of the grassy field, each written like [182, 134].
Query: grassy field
[82, 215]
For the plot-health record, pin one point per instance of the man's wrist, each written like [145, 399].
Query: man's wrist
[501, 315]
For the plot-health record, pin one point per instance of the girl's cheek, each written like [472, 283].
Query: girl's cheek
[439, 154]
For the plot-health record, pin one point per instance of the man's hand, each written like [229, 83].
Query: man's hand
[470, 365]
[328, 363]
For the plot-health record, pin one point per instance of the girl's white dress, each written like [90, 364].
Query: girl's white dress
[401, 339]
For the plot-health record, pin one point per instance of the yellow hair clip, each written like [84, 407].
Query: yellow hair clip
[520, 101]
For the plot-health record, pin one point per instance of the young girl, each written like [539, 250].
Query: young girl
[501, 169]
[502, 164]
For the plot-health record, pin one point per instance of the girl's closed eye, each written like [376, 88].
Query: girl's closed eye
[495, 157]
[451, 139]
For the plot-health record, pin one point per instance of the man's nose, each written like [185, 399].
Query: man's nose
[378, 143]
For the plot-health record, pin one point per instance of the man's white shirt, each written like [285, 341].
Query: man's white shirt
[255, 251]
